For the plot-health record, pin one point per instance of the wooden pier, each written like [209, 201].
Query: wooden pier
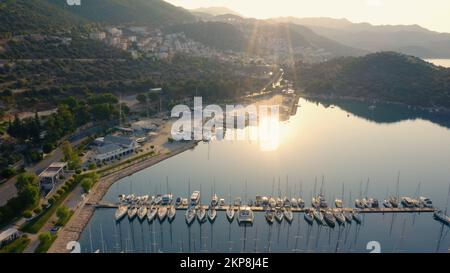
[111, 205]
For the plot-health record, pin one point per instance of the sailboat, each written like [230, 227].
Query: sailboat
[340, 218]
[329, 218]
[230, 213]
[162, 213]
[142, 212]
[348, 216]
[151, 213]
[356, 217]
[288, 215]
[171, 212]
[121, 211]
[212, 214]
[279, 215]
[309, 216]
[270, 216]
[318, 216]
[387, 204]
[132, 211]
[201, 214]
[190, 215]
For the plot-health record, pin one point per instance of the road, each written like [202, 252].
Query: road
[8, 189]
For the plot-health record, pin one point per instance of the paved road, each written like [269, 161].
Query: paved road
[8, 189]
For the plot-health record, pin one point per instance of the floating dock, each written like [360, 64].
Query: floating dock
[111, 205]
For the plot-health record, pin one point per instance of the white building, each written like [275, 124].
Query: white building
[8, 235]
[112, 147]
[50, 176]
[97, 35]
[114, 31]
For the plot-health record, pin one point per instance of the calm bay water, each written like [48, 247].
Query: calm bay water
[318, 141]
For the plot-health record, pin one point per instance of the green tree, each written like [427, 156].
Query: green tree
[86, 184]
[63, 214]
[142, 98]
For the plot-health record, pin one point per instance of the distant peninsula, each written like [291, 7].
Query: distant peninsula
[383, 76]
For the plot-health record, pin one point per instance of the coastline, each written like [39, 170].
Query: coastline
[372, 101]
[82, 215]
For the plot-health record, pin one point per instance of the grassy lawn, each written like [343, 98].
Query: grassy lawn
[44, 246]
[16, 246]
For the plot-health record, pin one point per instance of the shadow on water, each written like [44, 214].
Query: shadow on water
[385, 113]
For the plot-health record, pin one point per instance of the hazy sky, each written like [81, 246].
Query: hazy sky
[432, 14]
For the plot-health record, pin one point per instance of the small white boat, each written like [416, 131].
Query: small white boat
[178, 201]
[167, 199]
[394, 201]
[340, 218]
[272, 202]
[338, 203]
[184, 202]
[221, 202]
[142, 213]
[245, 216]
[294, 203]
[121, 211]
[162, 213]
[230, 213]
[279, 215]
[237, 202]
[348, 216]
[270, 216]
[441, 217]
[151, 213]
[288, 215]
[356, 217]
[300, 203]
[157, 199]
[329, 218]
[408, 202]
[425, 202]
[195, 198]
[132, 211]
[212, 214]
[171, 212]
[309, 216]
[190, 215]
[214, 200]
[387, 204]
[318, 216]
[201, 214]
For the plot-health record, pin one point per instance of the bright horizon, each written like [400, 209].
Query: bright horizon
[432, 14]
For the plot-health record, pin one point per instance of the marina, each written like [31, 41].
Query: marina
[292, 170]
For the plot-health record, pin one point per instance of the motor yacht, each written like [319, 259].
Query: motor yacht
[245, 216]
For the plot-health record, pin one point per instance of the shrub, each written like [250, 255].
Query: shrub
[78, 171]
[92, 166]
[27, 214]
[37, 210]
[86, 184]
[56, 197]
